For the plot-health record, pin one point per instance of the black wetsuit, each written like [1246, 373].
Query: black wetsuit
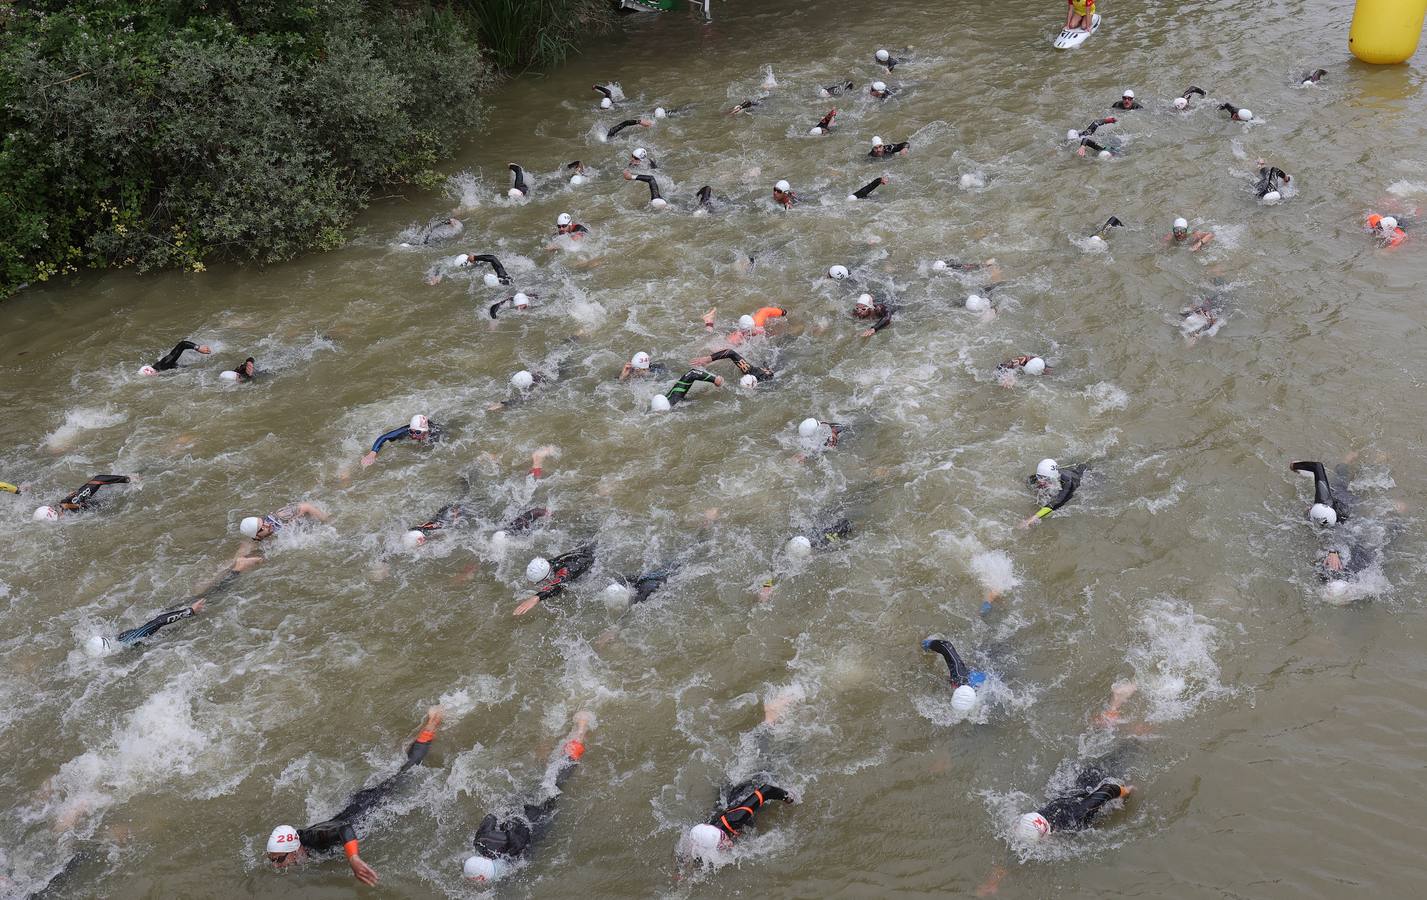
[1094, 787]
[574, 228]
[883, 314]
[957, 670]
[1269, 180]
[527, 519]
[1191, 91]
[1098, 148]
[519, 184]
[436, 432]
[825, 123]
[706, 200]
[508, 301]
[834, 90]
[242, 370]
[1094, 126]
[762, 373]
[1322, 488]
[681, 387]
[170, 359]
[1134, 104]
[834, 534]
[149, 628]
[889, 149]
[866, 190]
[452, 515]
[746, 105]
[627, 123]
[1314, 76]
[511, 838]
[653, 185]
[341, 830]
[565, 568]
[1231, 109]
[608, 94]
[1069, 480]
[499, 269]
[740, 815]
[84, 497]
[891, 63]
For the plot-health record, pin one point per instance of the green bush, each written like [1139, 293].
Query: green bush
[162, 133]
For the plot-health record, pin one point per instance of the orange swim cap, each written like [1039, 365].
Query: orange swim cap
[1374, 220]
[574, 749]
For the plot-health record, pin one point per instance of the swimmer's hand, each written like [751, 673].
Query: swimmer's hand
[1333, 561]
[701, 361]
[718, 381]
[205, 349]
[1029, 522]
[868, 333]
[527, 605]
[709, 317]
[197, 606]
[246, 563]
[365, 873]
[370, 458]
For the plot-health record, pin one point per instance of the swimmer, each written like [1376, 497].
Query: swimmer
[656, 199]
[1387, 229]
[579, 174]
[564, 225]
[1180, 234]
[708, 202]
[1097, 784]
[288, 846]
[744, 107]
[640, 156]
[1270, 184]
[759, 373]
[638, 588]
[257, 530]
[497, 275]
[606, 96]
[879, 90]
[1055, 485]
[518, 187]
[836, 90]
[1112, 222]
[838, 272]
[554, 575]
[443, 230]
[808, 429]
[99, 646]
[522, 381]
[628, 123]
[681, 387]
[519, 301]
[1237, 113]
[1202, 320]
[824, 125]
[748, 326]
[1100, 150]
[1031, 365]
[882, 150]
[452, 515]
[1327, 510]
[1312, 78]
[502, 843]
[866, 190]
[990, 266]
[79, 499]
[1182, 101]
[1127, 101]
[244, 372]
[885, 60]
[420, 429]
[1090, 129]
[640, 366]
[980, 303]
[783, 194]
[867, 308]
[170, 359]
[964, 681]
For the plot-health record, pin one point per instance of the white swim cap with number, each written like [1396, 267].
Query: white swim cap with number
[745, 323]
[883, 56]
[98, 645]
[639, 153]
[522, 380]
[659, 403]
[1034, 366]
[413, 539]
[420, 424]
[640, 360]
[520, 300]
[537, 570]
[1323, 515]
[808, 427]
[249, 526]
[283, 840]
[478, 868]
[783, 186]
[704, 838]
[1389, 223]
[864, 301]
[799, 546]
[1181, 223]
[837, 272]
[748, 381]
[963, 701]
[1031, 827]
[1047, 468]
[45, 514]
[1181, 103]
[563, 219]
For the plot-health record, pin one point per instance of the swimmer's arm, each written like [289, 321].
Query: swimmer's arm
[365, 873]
[393, 435]
[109, 479]
[311, 511]
[1201, 238]
[883, 321]
[149, 628]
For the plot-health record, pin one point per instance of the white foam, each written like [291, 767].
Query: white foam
[82, 419]
[1105, 396]
[1173, 660]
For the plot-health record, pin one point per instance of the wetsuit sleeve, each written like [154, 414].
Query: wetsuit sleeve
[866, 190]
[899, 147]
[883, 320]
[1068, 483]
[741, 815]
[170, 360]
[1086, 142]
[495, 307]
[653, 185]
[733, 357]
[149, 628]
[579, 229]
[395, 434]
[1322, 488]
[79, 498]
[627, 123]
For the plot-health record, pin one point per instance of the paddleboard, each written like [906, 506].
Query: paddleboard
[1070, 38]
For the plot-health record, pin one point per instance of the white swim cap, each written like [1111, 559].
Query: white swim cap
[659, 112]
[1272, 197]
[419, 424]
[640, 360]
[45, 514]
[963, 700]
[1244, 115]
[515, 193]
[639, 153]
[228, 376]
[977, 303]
[98, 645]
[808, 427]
[491, 279]
[1034, 366]
[704, 838]
[537, 570]
[606, 103]
[939, 265]
[616, 596]
[1047, 469]
[1104, 154]
[1128, 93]
[478, 868]
[1031, 827]
[522, 380]
[283, 840]
[461, 259]
[864, 301]
[1181, 223]
[658, 203]
[1388, 223]
[1072, 135]
[879, 86]
[748, 381]
[745, 323]
[563, 219]
[837, 272]
[1181, 103]
[148, 370]
[520, 301]
[249, 526]
[1323, 515]
[799, 546]
[577, 180]
[877, 142]
[1096, 239]
[783, 186]
[883, 56]
[413, 539]
[659, 403]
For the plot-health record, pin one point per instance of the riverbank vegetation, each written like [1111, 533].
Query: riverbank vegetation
[165, 133]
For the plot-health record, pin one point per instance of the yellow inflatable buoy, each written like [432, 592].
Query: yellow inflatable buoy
[1386, 31]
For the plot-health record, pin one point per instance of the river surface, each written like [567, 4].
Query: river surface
[1280, 735]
